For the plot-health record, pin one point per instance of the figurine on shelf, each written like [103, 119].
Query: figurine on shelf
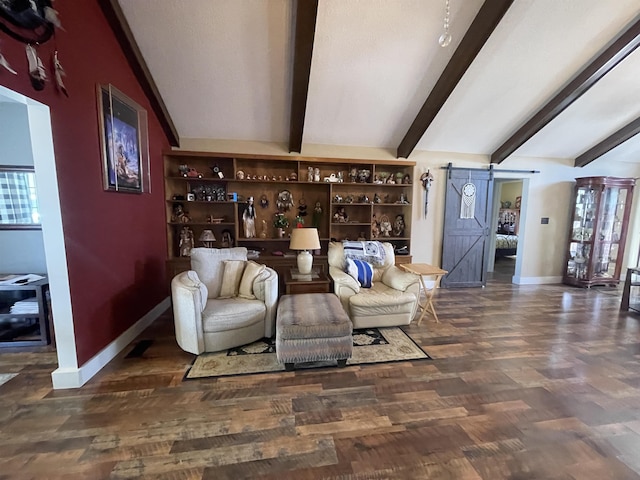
[316, 174]
[340, 216]
[317, 215]
[249, 219]
[179, 215]
[284, 201]
[310, 174]
[263, 233]
[375, 227]
[398, 226]
[186, 242]
[376, 198]
[302, 208]
[227, 239]
[406, 179]
[385, 226]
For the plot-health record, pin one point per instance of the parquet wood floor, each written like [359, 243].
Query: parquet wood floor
[527, 382]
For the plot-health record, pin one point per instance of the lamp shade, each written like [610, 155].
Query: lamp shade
[207, 238]
[304, 239]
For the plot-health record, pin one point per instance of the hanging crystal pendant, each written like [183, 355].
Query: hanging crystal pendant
[445, 38]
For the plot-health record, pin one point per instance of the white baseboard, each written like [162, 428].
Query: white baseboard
[76, 377]
[535, 280]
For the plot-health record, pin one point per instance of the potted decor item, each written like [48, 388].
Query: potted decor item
[280, 222]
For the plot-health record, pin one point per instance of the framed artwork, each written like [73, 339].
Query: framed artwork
[124, 142]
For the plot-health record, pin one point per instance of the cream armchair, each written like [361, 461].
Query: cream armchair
[206, 323]
[391, 301]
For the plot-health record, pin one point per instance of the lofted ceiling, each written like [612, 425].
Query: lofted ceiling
[225, 70]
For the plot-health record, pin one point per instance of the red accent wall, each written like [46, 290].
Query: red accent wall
[115, 242]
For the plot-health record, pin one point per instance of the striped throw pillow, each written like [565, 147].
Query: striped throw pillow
[361, 271]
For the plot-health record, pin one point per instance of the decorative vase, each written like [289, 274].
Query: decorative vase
[280, 232]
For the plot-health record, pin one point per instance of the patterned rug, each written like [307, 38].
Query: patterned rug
[371, 345]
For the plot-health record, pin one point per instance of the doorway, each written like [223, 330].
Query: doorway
[508, 228]
[37, 133]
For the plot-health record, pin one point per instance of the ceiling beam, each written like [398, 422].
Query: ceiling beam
[612, 141]
[118, 23]
[306, 12]
[477, 35]
[615, 53]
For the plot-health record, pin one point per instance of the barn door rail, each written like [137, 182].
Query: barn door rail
[450, 168]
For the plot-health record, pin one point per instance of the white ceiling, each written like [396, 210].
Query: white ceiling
[224, 71]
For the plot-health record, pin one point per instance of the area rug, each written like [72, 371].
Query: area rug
[371, 345]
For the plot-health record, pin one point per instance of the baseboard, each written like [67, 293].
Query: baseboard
[76, 377]
[535, 280]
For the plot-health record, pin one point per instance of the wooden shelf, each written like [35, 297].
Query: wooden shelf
[282, 166]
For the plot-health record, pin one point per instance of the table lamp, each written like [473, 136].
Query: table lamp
[207, 238]
[304, 239]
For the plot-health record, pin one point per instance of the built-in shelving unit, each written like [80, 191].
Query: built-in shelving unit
[345, 200]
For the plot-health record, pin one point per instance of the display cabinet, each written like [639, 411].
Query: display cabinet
[598, 230]
[346, 199]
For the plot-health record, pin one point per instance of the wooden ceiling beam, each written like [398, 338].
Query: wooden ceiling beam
[118, 23]
[615, 53]
[477, 35]
[612, 141]
[306, 12]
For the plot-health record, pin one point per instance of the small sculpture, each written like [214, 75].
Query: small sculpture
[186, 242]
[317, 215]
[263, 233]
[385, 226]
[340, 216]
[249, 217]
[284, 201]
[398, 226]
[179, 215]
[375, 227]
[316, 174]
[310, 174]
[376, 198]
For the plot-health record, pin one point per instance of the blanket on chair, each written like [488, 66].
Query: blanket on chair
[371, 252]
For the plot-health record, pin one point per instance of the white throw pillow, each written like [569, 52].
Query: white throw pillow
[231, 277]
[251, 271]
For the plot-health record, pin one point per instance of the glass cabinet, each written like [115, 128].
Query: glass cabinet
[601, 207]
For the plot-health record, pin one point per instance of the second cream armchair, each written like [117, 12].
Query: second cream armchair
[391, 301]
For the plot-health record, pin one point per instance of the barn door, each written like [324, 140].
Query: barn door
[466, 240]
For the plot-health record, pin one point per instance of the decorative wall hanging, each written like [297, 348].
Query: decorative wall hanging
[468, 200]
[124, 141]
[28, 21]
[32, 22]
[426, 180]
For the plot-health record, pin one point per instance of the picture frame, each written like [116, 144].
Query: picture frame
[124, 142]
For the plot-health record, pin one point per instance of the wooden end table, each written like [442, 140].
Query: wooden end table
[315, 282]
[422, 270]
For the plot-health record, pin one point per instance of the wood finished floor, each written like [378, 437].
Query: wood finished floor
[527, 382]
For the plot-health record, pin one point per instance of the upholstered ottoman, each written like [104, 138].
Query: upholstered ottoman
[311, 327]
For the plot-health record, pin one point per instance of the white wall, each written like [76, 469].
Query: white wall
[22, 250]
[545, 194]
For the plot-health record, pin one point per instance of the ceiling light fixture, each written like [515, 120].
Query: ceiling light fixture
[445, 38]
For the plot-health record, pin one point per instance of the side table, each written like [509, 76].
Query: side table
[315, 282]
[424, 269]
[28, 326]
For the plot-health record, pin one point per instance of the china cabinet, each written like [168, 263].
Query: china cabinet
[598, 230]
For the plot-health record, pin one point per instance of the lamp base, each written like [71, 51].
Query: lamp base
[305, 262]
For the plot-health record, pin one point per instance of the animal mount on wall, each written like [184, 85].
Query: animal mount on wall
[32, 22]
